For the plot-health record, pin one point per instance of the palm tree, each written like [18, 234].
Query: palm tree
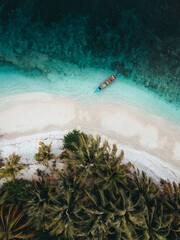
[36, 207]
[97, 208]
[141, 185]
[111, 173]
[91, 160]
[44, 154]
[12, 167]
[81, 161]
[64, 209]
[13, 224]
[171, 202]
[128, 214]
[98, 172]
[156, 224]
[171, 194]
[174, 232]
[72, 137]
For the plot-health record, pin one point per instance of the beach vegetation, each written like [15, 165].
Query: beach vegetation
[3, 197]
[156, 224]
[72, 138]
[39, 172]
[95, 196]
[12, 167]
[44, 154]
[171, 203]
[36, 206]
[17, 191]
[14, 223]
[172, 196]
[144, 186]
[63, 212]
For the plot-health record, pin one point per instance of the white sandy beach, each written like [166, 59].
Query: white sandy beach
[150, 142]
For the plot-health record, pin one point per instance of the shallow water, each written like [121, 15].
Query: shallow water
[68, 50]
[79, 85]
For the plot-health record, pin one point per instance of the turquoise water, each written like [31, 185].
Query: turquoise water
[66, 49]
[79, 85]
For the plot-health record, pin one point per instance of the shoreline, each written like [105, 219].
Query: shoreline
[27, 146]
[128, 126]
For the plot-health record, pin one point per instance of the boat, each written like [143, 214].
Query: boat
[106, 83]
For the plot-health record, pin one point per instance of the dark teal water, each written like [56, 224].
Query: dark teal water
[70, 47]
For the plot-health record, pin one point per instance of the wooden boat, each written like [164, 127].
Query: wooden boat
[106, 83]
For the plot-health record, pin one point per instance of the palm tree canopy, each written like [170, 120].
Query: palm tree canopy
[12, 167]
[13, 223]
[44, 154]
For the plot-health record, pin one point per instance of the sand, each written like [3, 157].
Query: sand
[149, 141]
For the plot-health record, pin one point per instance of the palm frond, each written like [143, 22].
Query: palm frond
[13, 223]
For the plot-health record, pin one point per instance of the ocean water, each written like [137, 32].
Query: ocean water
[68, 49]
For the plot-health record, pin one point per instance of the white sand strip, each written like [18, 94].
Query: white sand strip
[35, 113]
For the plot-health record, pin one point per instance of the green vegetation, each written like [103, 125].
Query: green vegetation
[44, 154]
[95, 197]
[72, 138]
[12, 167]
[13, 222]
[36, 207]
[17, 190]
[3, 197]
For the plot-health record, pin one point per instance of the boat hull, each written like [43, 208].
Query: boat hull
[105, 83]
